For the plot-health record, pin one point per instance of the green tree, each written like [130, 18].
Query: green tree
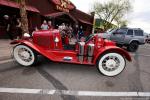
[112, 11]
[23, 15]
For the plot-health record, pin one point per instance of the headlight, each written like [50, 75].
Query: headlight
[26, 35]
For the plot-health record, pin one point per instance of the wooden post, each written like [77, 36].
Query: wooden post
[24, 19]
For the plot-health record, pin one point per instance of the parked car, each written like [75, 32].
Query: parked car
[109, 59]
[129, 37]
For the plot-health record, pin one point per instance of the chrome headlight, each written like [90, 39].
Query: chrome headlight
[26, 35]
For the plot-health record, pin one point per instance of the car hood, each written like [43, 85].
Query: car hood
[104, 35]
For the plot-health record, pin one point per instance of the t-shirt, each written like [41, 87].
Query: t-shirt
[44, 27]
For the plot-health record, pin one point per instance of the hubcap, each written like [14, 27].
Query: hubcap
[111, 63]
[25, 55]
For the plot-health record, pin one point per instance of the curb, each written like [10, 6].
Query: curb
[5, 58]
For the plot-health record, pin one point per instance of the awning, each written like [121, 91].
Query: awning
[16, 5]
[57, 14]
[85, 22]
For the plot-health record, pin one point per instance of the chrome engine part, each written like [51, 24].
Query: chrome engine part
[81, 51]
[90, 52]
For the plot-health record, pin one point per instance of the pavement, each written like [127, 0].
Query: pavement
[59, 81]
[5, 49]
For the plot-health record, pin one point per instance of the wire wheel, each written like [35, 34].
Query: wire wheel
[24, 55]
[111, 64]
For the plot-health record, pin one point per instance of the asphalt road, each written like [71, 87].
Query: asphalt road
[76, 78]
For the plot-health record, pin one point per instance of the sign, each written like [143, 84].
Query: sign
[63, 5]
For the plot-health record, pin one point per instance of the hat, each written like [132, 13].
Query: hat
[6, 16]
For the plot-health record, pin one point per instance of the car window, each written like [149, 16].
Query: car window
[138, 32]
[130, 32]
[122, 31]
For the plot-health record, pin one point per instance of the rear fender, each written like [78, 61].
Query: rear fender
[113, 49]
[35, 47]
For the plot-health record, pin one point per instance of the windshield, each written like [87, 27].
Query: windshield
[89, 37]
[112, 31]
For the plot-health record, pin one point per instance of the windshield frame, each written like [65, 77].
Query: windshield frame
[88, 38]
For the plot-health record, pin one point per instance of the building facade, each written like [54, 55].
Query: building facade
[58, 11]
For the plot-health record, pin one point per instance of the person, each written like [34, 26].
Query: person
[50, 25]
[70, 30]
[18, 29]
[80, 32]
[8, 26]
[75, 31]
[44, 26]
[62, 29]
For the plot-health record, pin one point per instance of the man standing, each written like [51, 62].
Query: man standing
[8, 26]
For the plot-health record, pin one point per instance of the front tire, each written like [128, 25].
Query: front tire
[133, 47]
[111, 64]
[24, 55]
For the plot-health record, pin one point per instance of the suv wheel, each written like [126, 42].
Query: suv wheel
[133, 47]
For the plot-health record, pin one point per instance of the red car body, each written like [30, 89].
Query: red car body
[50, 45]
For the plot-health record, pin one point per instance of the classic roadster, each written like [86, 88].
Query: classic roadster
[109, 59]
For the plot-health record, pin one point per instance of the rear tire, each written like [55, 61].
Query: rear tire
[133, 47]
[24, 55]
[111, 64]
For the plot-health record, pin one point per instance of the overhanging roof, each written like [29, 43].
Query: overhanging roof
[16, 5]
[57, 14]
[85, 22]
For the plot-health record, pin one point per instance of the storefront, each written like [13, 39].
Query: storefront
[58, 11]
[12, 10]
[63, 11]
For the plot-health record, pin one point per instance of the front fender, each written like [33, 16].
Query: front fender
[112, 49]
[35, 47]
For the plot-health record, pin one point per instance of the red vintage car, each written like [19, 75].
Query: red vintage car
[108, 58]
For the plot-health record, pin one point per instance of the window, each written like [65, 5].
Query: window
[138, 32]
[130, 32]
[122, 31]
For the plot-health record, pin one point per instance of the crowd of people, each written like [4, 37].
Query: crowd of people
[66, 30]
[12, 27]
[14, 31]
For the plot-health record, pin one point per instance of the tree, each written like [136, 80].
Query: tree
[112, 11]
[23, 15]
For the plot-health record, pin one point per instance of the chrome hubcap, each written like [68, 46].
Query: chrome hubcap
[25, 55]
[110, 63]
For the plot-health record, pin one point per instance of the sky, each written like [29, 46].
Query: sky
[138, 18]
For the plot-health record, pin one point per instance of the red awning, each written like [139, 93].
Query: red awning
[57, 14]
[16, 5]
[85, 22]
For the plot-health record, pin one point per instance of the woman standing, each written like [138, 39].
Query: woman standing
[44, 26]
[18, 29]
[80, 33]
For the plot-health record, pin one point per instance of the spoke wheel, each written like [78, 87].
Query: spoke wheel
[24, 55]
[111, 64]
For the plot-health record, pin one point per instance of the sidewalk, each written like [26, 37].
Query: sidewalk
[5, 49]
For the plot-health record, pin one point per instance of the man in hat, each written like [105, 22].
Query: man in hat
[8, 26]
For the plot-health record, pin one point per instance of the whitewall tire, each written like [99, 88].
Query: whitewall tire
[111, 64]
[24, 55]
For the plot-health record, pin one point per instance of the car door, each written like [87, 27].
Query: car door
[139, 35]
[118, 36]
[129, 36]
